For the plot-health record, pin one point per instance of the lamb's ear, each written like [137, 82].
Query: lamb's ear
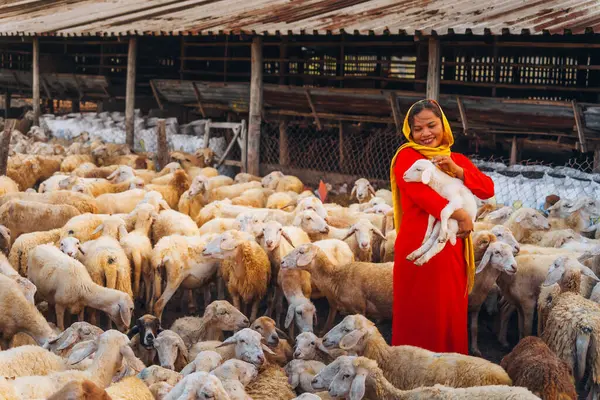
[426, 176]
[357, 390]
[267, 349]
[554, 276]
[98, 229]
[87, 349]
[229, 341]
[520, 218]
[122, 231]
[484, 261]
[289, 317]
[113, 175]
[294, 380]
[131, 360]
[352, 339]
[588, 272]
[353, 192]
[133, 331]
[68, 340]
[163, 205]
[297, 220]
[183, 352]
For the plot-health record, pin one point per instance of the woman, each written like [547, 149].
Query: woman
[430, 301]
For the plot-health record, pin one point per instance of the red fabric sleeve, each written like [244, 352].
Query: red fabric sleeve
[420, 194]
[479, 183]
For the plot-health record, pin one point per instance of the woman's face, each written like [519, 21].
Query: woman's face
[427, 129]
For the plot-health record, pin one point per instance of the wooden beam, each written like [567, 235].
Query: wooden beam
[396, 113]
[36, 82]
[596, 161]
[313, 109]
[130, 93]
[155, 94]
[7, 99]
[79, 87]
[256, 106]
[9, 125]
[341, 147]
[579, 125]
[46, 87]
[463, 115]
[199, 100]
[284, 155]
[514, 151]
[162, 149]
[433, 69]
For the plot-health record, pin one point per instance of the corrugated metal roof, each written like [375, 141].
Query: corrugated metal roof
[175, 17]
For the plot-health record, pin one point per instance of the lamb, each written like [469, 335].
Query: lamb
[7, 185]
[527, 225]
[142, 335]
[120, 203]
[458, 196]
[52, 184]
[172, 191]
[129, 388]
[19, 251]
[250, 273]
[357, 287]
[533, 365]
[499, 216]
[172, 352]
[26, 216]
[155, 374]
[219, 316]
[80, 390]
[361, 375]
[78, 332]
[279, 182]
[65, 282]
[301, 372]
[29, 360]
[198, 385]
[237, 370]
[281, 200]
[408, 367]
[310, 347]
[281, 347]
[27, 171]
[20, 315]
[83, 202]
[71, 162]
[231, 191]
[297, 289]
[579, 216]
[244, 177]
[171, 222]
[362, 190]
[256, 198]
[205, 361]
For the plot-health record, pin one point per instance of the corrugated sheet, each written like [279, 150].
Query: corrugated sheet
[174, 17]
[59, 86]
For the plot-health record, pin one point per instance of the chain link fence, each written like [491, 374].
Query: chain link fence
[365, 150]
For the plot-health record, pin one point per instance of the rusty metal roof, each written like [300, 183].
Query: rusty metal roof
[177, 17]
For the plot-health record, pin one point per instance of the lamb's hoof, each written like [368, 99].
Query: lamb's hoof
[411, 257]
[420, 262]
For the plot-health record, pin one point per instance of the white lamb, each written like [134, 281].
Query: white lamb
[458, 195]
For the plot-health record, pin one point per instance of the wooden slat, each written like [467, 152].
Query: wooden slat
[155, 94]
[199, 100]
[396, 113]
[463, 115]
[312, 107]
[579, 125]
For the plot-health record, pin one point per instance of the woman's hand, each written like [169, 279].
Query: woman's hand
[465, 224]
[447, 164]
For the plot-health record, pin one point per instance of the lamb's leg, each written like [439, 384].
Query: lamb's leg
[80, 317]
[60, 316]
[270, 302]
[278, 304]
[148, 289]
[474, 327]
[172, 286]
[254, 312]
[430, 224]
[137, 273]
[427, 245]
[505, 313]
[438, 244]
[220, 288]
[528, 312]
[235, 298]
[157, 287]
[207, 295]
[93, 317]
[444, 218]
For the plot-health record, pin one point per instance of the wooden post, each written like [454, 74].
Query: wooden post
[433, 69]
[284, 155]
[256, 105]
[9, 125]
[463, 115]
[7, 100]
[36, 81]
[341, 147]
[596, 160]
[162, 146]
[579, 125]
[396, 113]
[75, 106]
[130, 93]
[514, 151]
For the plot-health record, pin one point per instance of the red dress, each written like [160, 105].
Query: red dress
[430, 305]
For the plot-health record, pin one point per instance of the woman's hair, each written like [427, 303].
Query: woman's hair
[421, 105]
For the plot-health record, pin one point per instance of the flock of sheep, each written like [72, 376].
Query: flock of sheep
[105, 237]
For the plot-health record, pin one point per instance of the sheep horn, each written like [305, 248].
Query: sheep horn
[286, 237]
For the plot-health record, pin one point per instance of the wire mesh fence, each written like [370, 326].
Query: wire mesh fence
[365, 150]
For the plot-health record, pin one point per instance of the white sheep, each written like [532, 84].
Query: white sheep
[458, 196]
[200, 386]
[205, 361]
[302, 372]
[172, 352]
[362, 190]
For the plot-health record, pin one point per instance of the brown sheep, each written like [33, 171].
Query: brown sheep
[174, 189]
[80, 390]
[533, 365]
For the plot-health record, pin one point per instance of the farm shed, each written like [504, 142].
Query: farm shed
[324, 85]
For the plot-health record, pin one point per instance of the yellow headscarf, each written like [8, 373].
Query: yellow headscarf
[429, 153]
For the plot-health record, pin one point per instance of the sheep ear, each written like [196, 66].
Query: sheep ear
[353, 192]
[287, 237]
[133, 331]
[289, 317]
[183, 351]
[554, 276]
[267, 349]
[294, 380]
[98, 229]
[282, 334]
[81, 251]
[68, 340]
[84, 352]
[426, 176]
[352, 339]
[484, 261]
[305, 258]
[520, 218]
[122, 231]
[589, 273]
[163, 205]
[350, 233]
[379, 233]
[357, 389]
[123, 314]
[131, 360]
[229, 341]
[113, 175]
[297, 220]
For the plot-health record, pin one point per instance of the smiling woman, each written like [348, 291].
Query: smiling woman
[430, 301]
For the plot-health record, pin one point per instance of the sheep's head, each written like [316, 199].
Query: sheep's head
[155, 374]
[156, 200]
[205, 361]
[350, 381]
[81, 187]
[481, 241]
[222, 246]
[421, 171]
[248, 346]
[112, 226]
[505, 235]
[271, 233]
[307, 344]
[311, 203]
[561, 208]
[251, 222]
[68, 182]
[588, 205]
[350, 334]
[304, 313]
[363, 232]
[224, 316]
[362, 190]
[76, 333]
[100, 151]
[236, 370]
[170, 168]
[311, 222]
[71, 246]
[266, 327]
[323, 379]
[381, 209]
[531, 219]
[148, 327]
[567, 271]
[121, 311]
[205, 156]
[270, 181]
[123, 173]
[499, 255]
[201, 386]
[170, 349]
[198, 186]
[301, 257]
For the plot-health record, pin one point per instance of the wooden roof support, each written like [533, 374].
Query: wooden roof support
[256, 106]
[463, 115]
[199, 100]
[313, 109]
[433, 69]
[46, 87]
[130, 93]
[79, 87]
[36, 81]
[396, 113]
[579, 125]
[155, 94]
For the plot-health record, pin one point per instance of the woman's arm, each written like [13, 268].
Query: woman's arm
[479, 183]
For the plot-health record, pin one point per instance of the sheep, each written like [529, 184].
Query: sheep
[244, 177]
[138, 248]
[205, 361]
[52, 184]
[156, 374]
[172, 352]
[231, 191]
[71, 162]
[301, 372]
[172, 191]
[297, 289]
[80, 390]
[29, 360]
[78, 332]
[250, 272]
[182, 260]
[357, 287]
[458, 196]
[221, 208]
[198, 385]
[84, 227]
[20, 315]
[494, 258]
[7, 185]
[27, 216]
[29, 170]
[533, 365]
[219, 316]
[361, 375]
[281, 347]
[256, 198]
[279, 182]
[310, 347]
[19, 251]
[579, 216]
[65, 282]
[142, 335]
[129, 388]
[83, 202]
[5, 240]
[110, 350]
[171, 222]
[526, 224]
[408, 367]
[281, 200]
[219, 225]
[236, 370]
[120, 203]
[362, 190]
